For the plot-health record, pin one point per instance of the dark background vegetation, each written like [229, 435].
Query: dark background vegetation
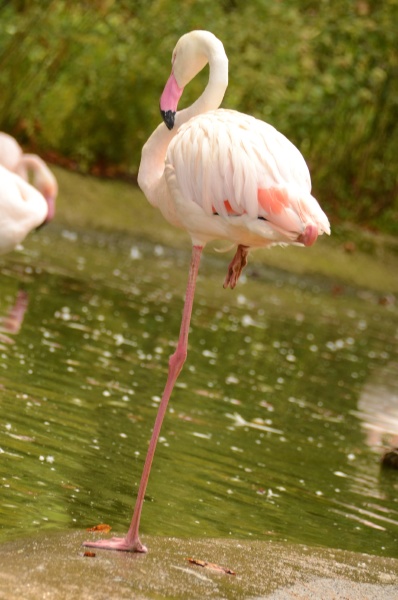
[80, 83]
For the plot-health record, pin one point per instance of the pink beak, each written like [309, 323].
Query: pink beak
[50, 208]
[169, 101]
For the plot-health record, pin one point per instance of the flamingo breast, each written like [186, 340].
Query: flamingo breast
[22, 209]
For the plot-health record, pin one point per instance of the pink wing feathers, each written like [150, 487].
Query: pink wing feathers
[233, 164]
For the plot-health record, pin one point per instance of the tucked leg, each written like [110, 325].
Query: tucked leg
[236, 266]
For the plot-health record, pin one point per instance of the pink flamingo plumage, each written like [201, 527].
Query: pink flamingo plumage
[22, 208]
[218, 174]
[14, 159]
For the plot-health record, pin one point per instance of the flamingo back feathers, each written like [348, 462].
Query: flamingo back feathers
[232, 164]
[22, 209]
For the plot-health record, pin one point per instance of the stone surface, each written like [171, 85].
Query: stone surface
[53, 566]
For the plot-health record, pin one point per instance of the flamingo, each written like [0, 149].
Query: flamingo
[13, 158]
[218, 174]
[22, 208]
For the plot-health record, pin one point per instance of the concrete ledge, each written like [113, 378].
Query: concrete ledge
[53, 566]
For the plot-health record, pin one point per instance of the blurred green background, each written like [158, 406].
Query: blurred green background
[80, 84]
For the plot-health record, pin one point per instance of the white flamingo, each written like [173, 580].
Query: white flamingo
[219, 174]
[13, 158]
[22, 208]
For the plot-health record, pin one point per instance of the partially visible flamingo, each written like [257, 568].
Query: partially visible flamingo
[219, 174]
[13, 158]
[22, 208]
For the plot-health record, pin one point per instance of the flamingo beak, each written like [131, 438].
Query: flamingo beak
[169, 101]
[50, 208]
[168, 117]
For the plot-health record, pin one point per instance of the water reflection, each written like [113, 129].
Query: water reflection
[378, 407]
[12, 322]
[267, 434]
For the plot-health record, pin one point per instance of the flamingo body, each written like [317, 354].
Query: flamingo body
[231, 176]
[10, 152]
[14, 159]
[22, 208]
[218, 174]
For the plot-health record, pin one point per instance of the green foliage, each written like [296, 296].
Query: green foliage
[83, 80]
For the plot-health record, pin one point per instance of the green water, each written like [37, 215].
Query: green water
[275, 429]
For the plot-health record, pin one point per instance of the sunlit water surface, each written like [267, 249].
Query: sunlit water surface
[274, 431]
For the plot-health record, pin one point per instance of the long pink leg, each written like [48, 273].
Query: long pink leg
[132, 541]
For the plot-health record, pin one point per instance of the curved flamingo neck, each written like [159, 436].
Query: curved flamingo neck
[213, 94]
[151, 168]
[32, 163]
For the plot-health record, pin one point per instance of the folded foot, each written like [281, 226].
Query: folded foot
[117, 543]
[236, 266]
[309, 235]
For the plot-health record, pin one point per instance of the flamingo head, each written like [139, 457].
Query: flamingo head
[191, 54]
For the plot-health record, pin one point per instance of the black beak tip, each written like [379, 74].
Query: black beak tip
[168, 117]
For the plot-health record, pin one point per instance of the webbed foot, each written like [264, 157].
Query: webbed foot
[118, 543]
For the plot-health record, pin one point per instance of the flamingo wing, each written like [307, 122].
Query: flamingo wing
[22, 209]
[232, 164]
